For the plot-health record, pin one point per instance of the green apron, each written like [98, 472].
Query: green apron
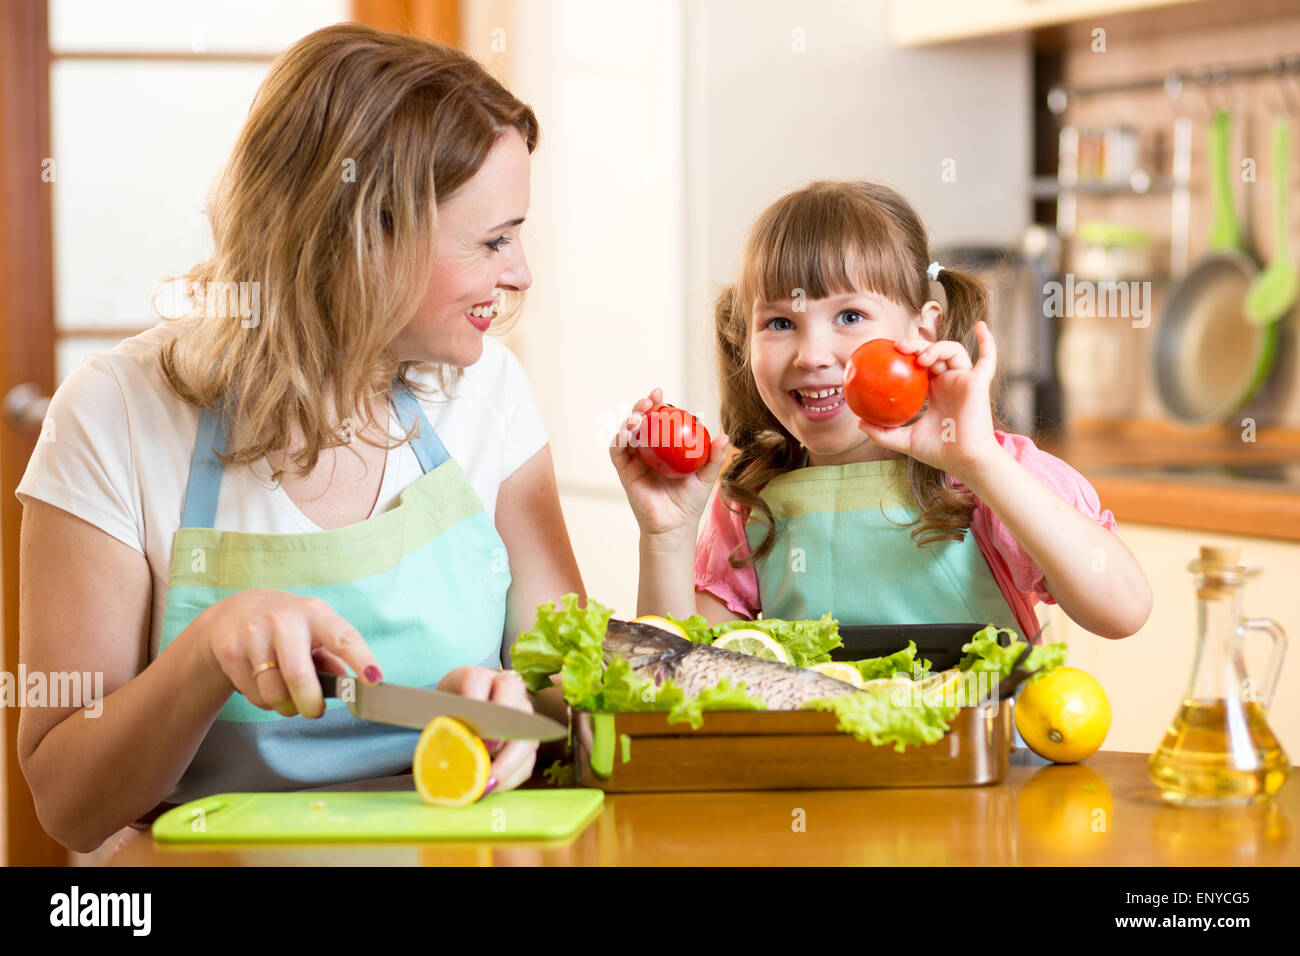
[424, 583]
[842, 547]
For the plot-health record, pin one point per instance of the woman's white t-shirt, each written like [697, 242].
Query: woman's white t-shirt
[116, 446]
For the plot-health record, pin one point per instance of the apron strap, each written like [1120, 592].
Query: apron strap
[204, 487]
[428, 447]
[200, 509]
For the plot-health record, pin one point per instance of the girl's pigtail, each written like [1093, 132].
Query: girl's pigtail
[946, 510]
[762, 448]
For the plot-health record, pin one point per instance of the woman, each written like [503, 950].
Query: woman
[226, 504]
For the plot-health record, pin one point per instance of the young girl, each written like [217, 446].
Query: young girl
[818, 511]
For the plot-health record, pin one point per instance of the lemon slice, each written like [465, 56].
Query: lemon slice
[939, 683]
[887, 683]
[751, 641]
[662, 623]
[451, 764]
[840, 671]
[944, 685]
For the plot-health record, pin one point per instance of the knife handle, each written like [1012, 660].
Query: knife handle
[329, 683]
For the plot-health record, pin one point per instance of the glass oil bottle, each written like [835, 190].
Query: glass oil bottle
[1219, 750]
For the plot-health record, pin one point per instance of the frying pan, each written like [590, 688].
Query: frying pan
[1209, 360]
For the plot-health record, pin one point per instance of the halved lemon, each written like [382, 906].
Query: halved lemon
[654, 620]
[451, 765]
[840, 671]
[752, 641]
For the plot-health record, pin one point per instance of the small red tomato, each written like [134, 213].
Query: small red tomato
[672, 441]
[884, 386]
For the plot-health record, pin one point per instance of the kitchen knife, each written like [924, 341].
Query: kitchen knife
[414, 707]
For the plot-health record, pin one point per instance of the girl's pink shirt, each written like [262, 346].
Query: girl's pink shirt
[1020, 579]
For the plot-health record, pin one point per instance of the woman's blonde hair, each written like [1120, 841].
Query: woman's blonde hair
[329, 204]
[825, 239]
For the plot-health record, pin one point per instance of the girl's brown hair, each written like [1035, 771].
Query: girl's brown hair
[825, 239]
[329, 203]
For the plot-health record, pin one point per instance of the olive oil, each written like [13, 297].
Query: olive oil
[1216, 754]
[1219, 750]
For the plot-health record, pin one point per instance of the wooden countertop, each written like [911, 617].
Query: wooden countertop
[1148, 497]
[1101, 812]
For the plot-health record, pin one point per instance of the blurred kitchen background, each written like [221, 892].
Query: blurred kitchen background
[1057, 144]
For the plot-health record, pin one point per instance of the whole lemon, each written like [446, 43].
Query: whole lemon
[1064, 715]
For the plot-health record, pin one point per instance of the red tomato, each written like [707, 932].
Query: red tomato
[672, 441]
[884, 386]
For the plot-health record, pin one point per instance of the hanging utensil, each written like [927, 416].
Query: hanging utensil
[1209, 361]
[1274, 290]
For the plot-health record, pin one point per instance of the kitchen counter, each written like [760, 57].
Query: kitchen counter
[1101, 812]
[1196, 479]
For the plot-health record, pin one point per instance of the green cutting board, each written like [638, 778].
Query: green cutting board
[341, 816]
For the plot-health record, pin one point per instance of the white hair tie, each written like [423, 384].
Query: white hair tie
[933, 271]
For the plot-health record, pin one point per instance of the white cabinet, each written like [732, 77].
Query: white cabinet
[918, 22]
[1145, 675]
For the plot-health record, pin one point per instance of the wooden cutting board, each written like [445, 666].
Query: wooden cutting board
[343, 816]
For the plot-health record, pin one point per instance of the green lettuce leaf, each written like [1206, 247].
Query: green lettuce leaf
[696, 627]
[984, 653]
[901, 662]
[564, 639]
[561, 774]
[722, 696]
[881, 718]
[807, 642]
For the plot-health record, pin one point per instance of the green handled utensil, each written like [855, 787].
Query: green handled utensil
[1225, 233]
[1274, 290]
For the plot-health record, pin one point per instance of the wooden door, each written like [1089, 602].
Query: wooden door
[29, 338]
[26, 353]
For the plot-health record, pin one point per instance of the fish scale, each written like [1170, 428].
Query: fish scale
[657, 655]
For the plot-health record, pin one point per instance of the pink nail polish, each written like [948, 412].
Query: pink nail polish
[492, 744]
[492, 782]
[373, 675]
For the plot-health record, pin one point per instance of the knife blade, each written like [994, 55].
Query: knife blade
[414, 707]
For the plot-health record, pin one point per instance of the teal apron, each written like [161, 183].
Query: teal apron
[843, 547]
[424, 583]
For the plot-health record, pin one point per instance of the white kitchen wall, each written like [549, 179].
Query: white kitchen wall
[605, 320]
[783, 93]
[667, 126]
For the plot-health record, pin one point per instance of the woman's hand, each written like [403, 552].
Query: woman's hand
[956, 431]
[512, 762]
[300, 635]
[662, 505]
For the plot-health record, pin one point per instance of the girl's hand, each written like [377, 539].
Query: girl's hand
[662, 505]
[512, 761]
[956, 431]
[248, 630]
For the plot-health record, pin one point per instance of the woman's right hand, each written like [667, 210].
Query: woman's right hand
[662, 505]
[300, 634]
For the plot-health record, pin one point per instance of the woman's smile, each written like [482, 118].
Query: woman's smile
[481, 314]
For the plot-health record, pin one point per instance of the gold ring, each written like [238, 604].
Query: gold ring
[265, 667]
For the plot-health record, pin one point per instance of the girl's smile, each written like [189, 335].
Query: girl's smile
[798, 358]
[819, 402]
